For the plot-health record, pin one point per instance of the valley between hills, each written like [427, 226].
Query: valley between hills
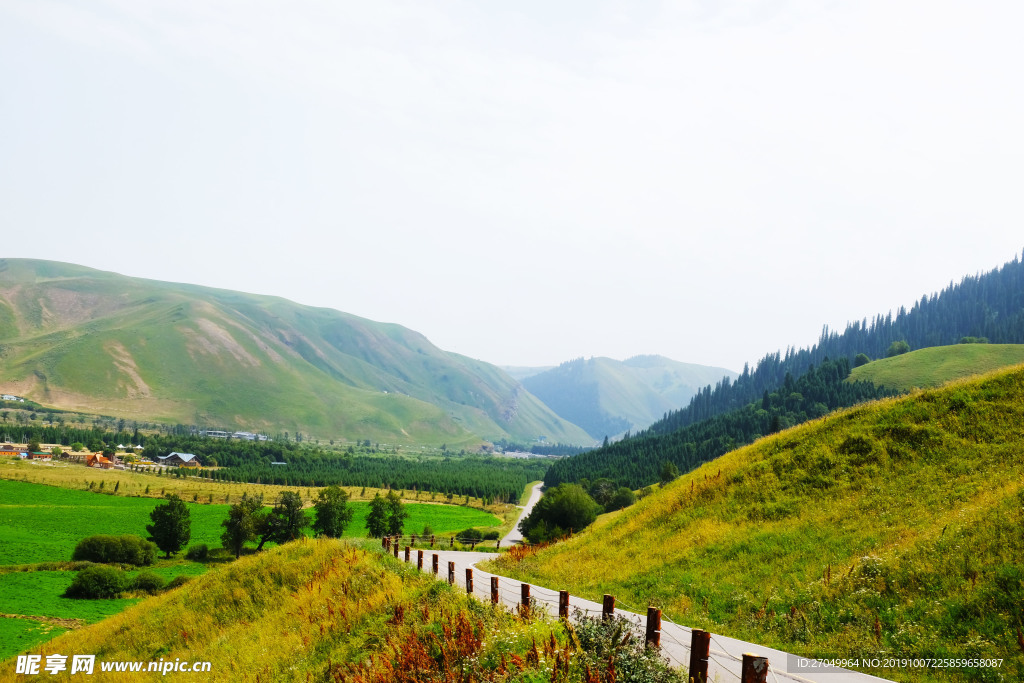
[860, 499]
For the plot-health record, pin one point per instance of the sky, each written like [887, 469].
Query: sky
[525, 182]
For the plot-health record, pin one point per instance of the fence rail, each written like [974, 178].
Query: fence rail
[753, 668]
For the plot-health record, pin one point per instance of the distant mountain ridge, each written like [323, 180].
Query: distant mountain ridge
[83, 339]
[608, 397]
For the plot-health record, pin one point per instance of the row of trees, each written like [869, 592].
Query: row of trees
[490, 478]
[249, 520]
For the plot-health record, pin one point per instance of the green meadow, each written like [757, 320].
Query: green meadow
[40, 526]
[934, 366]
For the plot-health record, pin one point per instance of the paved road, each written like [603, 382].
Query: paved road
[515, 536]
[726, 653]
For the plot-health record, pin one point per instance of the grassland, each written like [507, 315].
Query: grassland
[43, 523]
[893, 528]
[40, 526]
[934, 366]
[324, 610]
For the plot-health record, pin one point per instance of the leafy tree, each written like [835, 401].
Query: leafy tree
[332, 512]
[33, 446]
[861, 359]
[171, 527]
[286, 521]
[563, 509]
[623, 498]
[377, 519]
[244, 521]
[396, 514]
[897, 348]
[668, 472]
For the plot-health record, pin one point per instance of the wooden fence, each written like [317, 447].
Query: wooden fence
[754, 668]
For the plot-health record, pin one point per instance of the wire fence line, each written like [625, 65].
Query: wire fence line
[548, 600]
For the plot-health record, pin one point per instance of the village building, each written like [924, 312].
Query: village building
[99, 460]
[179, 460]
[9, 449]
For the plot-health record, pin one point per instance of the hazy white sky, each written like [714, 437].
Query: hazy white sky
[525, 182]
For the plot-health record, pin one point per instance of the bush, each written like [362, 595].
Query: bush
[469, 536]
[197, 553]
[97, 583]
[148, 582]
[603, 642]
[562, 510]
[176, 582]
[115, 550]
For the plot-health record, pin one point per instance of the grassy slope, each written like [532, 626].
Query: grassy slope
[317, 608]
[100, 342]
[909, 511]
[936, 365]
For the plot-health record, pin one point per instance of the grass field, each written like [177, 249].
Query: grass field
[41, 524]
[890, 529]
[934, 366]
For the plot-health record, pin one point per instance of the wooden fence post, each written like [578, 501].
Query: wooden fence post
[419, 560]
[494, 590]
[451, 542]
[434, 564]
[497, 546]
[451, 573]
[524, 599]
[608, 609]
[384, 542]
[653, 638]
[700, 650]
[563, 604]
[469, 580]
[412, 540]
[755, 669]
[406, 553]
[394, 547]
[431, 540]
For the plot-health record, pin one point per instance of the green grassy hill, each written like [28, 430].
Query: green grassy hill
[936, 365]
[86, 340]
[608, 397]
[892, 528]
[328, 611]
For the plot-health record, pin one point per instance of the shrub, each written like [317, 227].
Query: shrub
[197, 553]
[176, 582]
[97, 583]
[148, 582]
[563, 509]
[115, 549]
[470, 535]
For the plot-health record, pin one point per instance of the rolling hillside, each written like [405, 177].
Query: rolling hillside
[936, 365]
[888, 529]
[81, 339]
[608, 397]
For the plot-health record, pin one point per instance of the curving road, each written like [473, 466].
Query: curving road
[515, 536]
